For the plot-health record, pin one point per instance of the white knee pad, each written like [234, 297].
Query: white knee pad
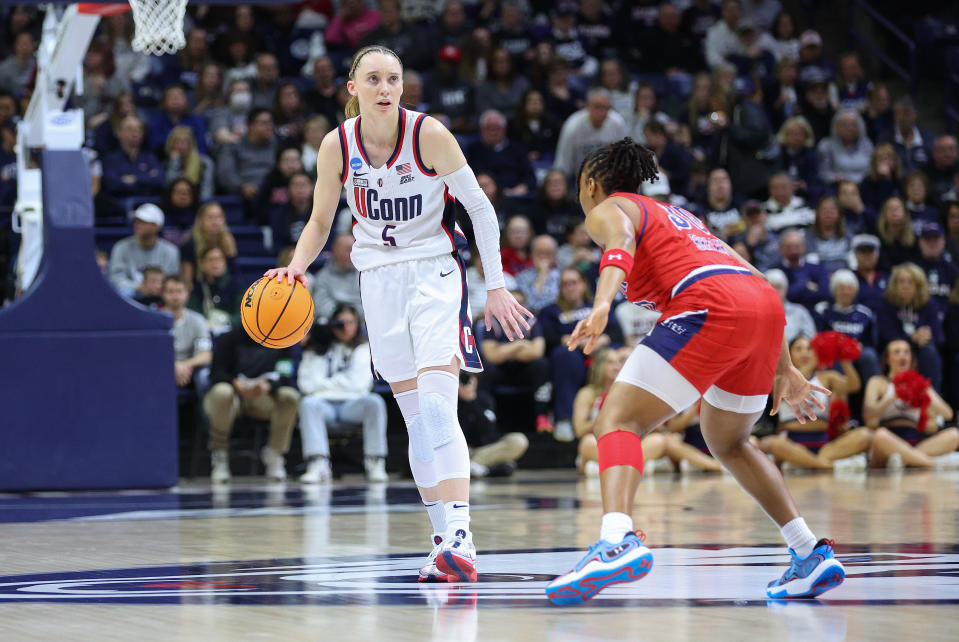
[424, 472]
[439, 427]
[438, 395]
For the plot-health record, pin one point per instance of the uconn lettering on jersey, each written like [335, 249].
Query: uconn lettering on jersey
[400, 208]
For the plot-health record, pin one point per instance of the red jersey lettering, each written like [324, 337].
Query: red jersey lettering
[670, 243]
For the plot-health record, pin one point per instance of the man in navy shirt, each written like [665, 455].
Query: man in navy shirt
[501, 158]
[939, 267]
[520, 363]
[808, 282]
[130, 171]
[872, 282]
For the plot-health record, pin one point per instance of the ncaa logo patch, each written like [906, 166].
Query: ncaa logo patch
[355, 163]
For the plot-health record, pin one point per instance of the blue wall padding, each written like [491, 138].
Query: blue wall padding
[87, 394]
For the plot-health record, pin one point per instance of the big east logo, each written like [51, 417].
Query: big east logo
[401, 208]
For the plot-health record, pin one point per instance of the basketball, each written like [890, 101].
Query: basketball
[276, 314]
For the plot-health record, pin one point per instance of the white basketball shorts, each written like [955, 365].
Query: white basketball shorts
[418, 316]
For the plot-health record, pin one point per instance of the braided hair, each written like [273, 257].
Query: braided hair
[620, 166]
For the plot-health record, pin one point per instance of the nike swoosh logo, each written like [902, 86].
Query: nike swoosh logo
[448, 273]
[359, 173]
[459, 505]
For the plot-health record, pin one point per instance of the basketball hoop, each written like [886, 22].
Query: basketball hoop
[159, 26]
[159, 23]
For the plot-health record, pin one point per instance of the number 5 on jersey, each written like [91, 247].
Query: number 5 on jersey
[387, 237]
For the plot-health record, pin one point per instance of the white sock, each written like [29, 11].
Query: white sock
[615, 527]
[437, 516]
[457, 517]
[798, 537]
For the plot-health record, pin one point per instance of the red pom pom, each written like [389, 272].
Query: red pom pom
[839, 415]
[826, 346]
[913, 389]
[849, 348]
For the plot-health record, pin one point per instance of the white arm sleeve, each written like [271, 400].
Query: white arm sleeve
[464, 188]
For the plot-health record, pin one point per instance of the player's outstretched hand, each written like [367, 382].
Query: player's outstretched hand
[501, 305]
[590, 328]
[288, 273]
[793, 388]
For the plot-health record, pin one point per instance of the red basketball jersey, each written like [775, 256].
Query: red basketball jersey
[671, 243]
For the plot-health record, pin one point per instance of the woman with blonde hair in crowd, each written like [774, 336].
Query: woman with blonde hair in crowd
[183, 160]
[882, 181]
[798, 157]
[905, 433]
[828, 238]
[909, 313]
[209, 230]
[894, 229]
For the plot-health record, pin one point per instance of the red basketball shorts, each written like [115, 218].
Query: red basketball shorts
[718, 338]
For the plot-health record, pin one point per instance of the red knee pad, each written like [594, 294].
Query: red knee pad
[620, 448]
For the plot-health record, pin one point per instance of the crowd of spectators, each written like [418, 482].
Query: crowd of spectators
[805, 164]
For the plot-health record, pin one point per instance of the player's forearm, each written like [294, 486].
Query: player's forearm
[312, 240]
[610, 279]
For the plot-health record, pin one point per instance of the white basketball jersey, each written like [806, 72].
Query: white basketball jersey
[401, 210]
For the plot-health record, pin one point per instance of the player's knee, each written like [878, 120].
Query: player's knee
[438, 418]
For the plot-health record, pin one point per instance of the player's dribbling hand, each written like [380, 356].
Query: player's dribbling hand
[793, 388]
[590, 329]
[501, 305]
[288, 273]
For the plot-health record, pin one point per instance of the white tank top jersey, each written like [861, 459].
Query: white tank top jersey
[401, 210]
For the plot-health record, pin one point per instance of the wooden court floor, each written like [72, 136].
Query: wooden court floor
[258, 561]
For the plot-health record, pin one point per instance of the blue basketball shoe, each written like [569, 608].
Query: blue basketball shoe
[810, 576]
[605, 564]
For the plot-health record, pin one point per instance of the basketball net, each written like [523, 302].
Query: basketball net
[159, 26]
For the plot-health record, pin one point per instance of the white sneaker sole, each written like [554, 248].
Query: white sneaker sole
[827, 575]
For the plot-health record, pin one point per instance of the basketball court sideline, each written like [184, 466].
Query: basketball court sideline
[291, 561]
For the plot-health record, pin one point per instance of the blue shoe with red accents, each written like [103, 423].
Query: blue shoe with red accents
[457, 557]
[810, 576]
[604, 565]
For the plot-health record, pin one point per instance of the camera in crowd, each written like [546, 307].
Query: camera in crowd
[321, 336]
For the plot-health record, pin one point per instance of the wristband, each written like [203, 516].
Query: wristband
[618, 258]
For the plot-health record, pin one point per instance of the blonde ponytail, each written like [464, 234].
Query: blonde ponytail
[352, 108]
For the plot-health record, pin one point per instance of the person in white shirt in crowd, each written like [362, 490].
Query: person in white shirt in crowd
[337, 281]
[593, 126]
[847, 151]
[721, 39]
[337, 386]
[798, 319]
[785, 209]
[132, 254]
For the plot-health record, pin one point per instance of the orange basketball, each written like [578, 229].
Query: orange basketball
[276, 314]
